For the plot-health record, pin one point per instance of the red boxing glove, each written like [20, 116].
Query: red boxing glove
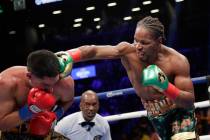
[42, 123]
[39, 100]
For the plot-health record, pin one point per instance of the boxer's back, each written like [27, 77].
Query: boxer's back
[14, 85]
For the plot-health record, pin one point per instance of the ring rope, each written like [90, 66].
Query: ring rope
[131, 91]
[137, 114]
[205, 137]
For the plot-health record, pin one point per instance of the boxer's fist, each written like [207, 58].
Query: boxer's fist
[42, 123]
[39, 100]
[66, 63]
[154, 76]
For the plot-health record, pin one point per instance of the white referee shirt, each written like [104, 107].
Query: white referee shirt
[70, 127]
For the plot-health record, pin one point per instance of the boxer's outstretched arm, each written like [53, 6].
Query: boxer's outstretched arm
[90, 52]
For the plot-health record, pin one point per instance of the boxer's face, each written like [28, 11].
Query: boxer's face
[89, 106]
[45, 83]
[146, 44]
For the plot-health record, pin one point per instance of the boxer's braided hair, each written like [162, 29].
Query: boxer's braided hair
[154, 25]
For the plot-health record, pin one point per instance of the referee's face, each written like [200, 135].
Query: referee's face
[89, 106]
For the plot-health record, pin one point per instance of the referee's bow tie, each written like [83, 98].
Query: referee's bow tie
[91, 124]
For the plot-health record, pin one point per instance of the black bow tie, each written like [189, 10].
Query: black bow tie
[89, 124]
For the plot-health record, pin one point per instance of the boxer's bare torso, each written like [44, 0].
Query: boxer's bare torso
[134, 68]
[168, 62]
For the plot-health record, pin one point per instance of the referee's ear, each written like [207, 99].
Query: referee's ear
[80, 106]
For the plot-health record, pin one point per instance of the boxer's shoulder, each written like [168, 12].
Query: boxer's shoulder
[12, 82]
[65, 83]
[8, 82]
[127, 47]
[14, 73]
[64, 89]
[174, 54]
[124, 43]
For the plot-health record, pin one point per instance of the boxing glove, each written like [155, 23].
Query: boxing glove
[154, 76]
[39, 100]
[66, 63]
[42, 123]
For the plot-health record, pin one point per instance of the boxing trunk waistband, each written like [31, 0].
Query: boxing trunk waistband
[158, 107]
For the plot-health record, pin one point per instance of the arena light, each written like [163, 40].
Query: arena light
[154, 11]
[127, 18]
[56, 12]
[111, 4]
[98, 27]
[12, 32]
[78, 20]
[39, 2]
[179, 0]
[1, 9]
[77, 25]
[41, 25]
[90, 8]
[96, 19]
[146, 2]
[135, 9]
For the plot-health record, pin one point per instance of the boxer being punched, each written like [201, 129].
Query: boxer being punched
[37, 94]
[160, 76]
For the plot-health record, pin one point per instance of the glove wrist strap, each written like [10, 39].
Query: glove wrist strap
[75, 54]
[59, 111]
[172, 92]
[24, 113]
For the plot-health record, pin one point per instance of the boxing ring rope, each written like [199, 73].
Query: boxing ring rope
[131, 91]
[137, 114]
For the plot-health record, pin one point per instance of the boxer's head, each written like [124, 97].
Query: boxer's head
[89, 105]
[43, 69]
[148, 38]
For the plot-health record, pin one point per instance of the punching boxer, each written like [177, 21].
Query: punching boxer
[36, 95]
[159, 74]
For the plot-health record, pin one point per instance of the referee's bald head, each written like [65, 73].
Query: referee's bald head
[89, 94]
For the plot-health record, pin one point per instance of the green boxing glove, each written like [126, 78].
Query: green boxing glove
[66, 63]
[154, 76]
